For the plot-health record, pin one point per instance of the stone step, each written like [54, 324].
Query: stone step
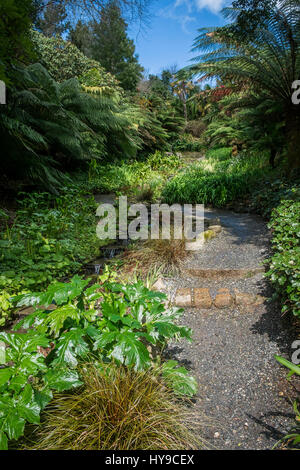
[202, 299]
[223, 273]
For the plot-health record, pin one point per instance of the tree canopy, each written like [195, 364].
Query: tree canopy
[112, 47]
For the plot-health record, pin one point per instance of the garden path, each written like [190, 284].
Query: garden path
[241, 387]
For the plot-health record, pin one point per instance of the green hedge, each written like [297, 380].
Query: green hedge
[284, 270]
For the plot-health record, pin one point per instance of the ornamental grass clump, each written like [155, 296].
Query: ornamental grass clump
[118, 409]
[166, 255]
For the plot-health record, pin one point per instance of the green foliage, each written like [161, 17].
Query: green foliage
[6, 307]
[54, 19]
[292, 438]
[118, 409]
[112, 47]
[51, 237]
[22, 399]
[81, 37]
[127, 320]
[178, 379]
[284, 265]
[270, 193]
[215, 180]
[262, 69]
[15, 45]
[55, 125]
[63, 60]
[163, 161]
[187, 143]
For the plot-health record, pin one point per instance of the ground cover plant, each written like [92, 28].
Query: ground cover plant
[284, 271]
[50, 237]
[127, 324]
[217, 180]
[130, 176]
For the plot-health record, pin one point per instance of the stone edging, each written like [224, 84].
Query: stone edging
[200, 298]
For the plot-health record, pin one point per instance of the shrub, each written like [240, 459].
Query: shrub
[118, 409]
[195, 128]
[271, 192]
[127, 324]
[284, 270]
[216, 180]
[219, 153]
[64, 61]
[163, 161]
[46, 241]
[188, 143]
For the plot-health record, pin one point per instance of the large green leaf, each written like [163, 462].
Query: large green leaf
[27, 406]
[178, 379]
[3, 441]
[43, 397]
[70, 346]
[129, 350]
[56, 319]
[61, 379]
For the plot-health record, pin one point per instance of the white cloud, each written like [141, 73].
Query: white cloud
[183, 11]
[182, 18]
[213, 5]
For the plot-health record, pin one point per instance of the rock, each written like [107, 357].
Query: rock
[244, 298]
[202, 298]
[183, 298]
[259, 300]
[223, 299]
[159, 285]
[215, 228]
[215, 221]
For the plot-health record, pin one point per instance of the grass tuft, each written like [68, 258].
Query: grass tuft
[118, 409]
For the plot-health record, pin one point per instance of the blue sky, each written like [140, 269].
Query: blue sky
[172, 29]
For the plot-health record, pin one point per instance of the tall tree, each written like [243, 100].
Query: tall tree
[53, 20]
[91, 9]
[268, 66]
[250, 14]
[113, 48]
[82, 37]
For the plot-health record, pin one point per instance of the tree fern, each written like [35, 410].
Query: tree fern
[266, 66]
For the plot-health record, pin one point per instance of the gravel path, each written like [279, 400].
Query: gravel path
[244, 243]
[241, 388]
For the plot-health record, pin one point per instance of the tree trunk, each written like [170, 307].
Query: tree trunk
[185, 111]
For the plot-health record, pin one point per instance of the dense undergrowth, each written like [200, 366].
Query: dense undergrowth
[132, 177]
[49, 238]
[217, 180]
[76, 322]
